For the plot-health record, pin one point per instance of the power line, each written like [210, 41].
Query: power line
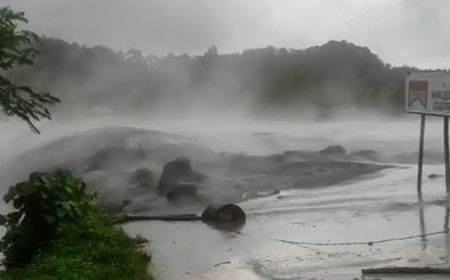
[353, 243]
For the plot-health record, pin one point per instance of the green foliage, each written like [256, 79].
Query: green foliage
[91, 248]
[42, 203]
[17, 48]
[59, 232]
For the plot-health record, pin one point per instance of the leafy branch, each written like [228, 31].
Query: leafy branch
[17, 49]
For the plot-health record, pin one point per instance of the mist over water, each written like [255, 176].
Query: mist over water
[395, 140]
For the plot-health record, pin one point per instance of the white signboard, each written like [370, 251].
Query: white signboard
[428, 93]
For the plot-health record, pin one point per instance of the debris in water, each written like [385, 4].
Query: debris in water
[434, 176]
[222, 263]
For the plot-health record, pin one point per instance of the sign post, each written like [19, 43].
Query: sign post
[428, 93]
[446, 151]
[420, 161]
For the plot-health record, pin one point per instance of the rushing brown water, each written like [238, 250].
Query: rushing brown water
[275, 242]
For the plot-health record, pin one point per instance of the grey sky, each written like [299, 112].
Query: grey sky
[413, 32]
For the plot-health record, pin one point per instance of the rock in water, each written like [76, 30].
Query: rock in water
[434, 176]
[143, 178]
[176, 172]
[229, 214]
[333, 150]
[183, 192]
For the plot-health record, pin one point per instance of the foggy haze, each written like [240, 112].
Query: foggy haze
[402, 32]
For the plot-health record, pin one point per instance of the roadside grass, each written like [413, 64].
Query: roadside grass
[91, 248]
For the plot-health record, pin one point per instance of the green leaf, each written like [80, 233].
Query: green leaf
[12, 192]
[44, 195]
[78, 211]
[65, 205]
[3, 220]
[26, 89]
[18, 203]
[50, 218]
[60, 212]
[69, 189]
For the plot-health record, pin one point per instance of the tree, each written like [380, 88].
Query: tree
[17, 48]
[212, 51]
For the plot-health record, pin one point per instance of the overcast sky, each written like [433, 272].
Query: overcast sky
[413, 32]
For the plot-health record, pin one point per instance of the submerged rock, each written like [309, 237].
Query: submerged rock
[143, 178]
[176, 172]
[333, 150]
[183, 192]
[434, 176]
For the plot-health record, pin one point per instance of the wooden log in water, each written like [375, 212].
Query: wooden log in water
[229, 214]
[181, 217]
[406, 270]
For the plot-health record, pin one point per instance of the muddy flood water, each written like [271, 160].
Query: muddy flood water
[270, 246]
[349, 212]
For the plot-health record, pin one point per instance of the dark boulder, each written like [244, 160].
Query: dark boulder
[176, 172]
[143, 178]
[229, 214]
[434, 176]
[333, 150]
[182, 192]
[126, 202]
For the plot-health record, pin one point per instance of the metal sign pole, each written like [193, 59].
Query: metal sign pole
[419, 183]
[420, 163]
[447, 160]
[446, 229]
[447, 186]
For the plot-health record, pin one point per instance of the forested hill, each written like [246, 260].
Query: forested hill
[321, 79]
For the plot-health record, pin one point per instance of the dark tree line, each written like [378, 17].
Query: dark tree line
[330, 77]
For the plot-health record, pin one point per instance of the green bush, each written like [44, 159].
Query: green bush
[42, 203]
[93, 248]
[58, 232]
